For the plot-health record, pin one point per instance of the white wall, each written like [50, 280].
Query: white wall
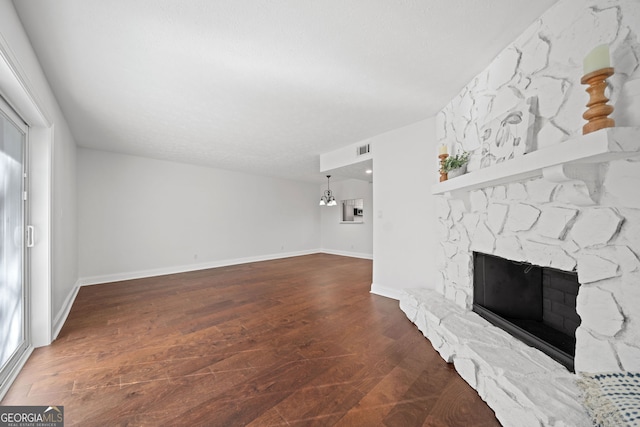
[404, 232]
[53, 178]
[347, 239]
[140, 217]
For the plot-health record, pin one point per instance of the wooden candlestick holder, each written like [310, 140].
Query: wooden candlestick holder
[597, 108]
[443, 174]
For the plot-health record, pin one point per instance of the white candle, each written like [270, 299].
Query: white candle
[597, 59]
[442, 149]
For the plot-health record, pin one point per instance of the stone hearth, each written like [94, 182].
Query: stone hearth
[522, 385]
[563, 225]
[571, 203]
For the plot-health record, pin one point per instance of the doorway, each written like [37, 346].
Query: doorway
[13, 241]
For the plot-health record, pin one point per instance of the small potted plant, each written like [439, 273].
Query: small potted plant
[455, 165]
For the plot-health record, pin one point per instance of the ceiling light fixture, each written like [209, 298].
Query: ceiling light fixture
[368, 171]
[327, 199]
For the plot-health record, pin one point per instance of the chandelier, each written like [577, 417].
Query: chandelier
[327, 199]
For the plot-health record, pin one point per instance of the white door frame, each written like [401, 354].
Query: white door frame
[15, 89]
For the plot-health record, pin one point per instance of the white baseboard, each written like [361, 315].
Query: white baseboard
[386, 292]
[345, 253]
[118, 277]
[62, 315]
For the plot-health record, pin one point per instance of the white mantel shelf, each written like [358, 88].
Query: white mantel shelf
[597, 147]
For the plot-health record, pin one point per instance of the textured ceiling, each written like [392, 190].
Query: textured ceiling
[262, 87]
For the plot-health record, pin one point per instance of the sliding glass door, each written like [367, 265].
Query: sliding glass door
[13, 289]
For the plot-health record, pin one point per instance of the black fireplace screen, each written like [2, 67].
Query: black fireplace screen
[534, 304]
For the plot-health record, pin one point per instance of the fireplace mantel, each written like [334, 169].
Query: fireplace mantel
[576, 158]
[572, 220]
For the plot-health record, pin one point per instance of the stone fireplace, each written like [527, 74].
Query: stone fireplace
[543, 222]
[570, 203]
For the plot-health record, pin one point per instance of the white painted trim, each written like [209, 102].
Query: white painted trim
[17, 91]
[62, 315]
[387, 292]
[4, 388]
[14, 85]
[117, 277]
[41, 182]
[349, 254]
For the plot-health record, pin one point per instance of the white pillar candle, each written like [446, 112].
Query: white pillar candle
[442, 149]
[597, 59]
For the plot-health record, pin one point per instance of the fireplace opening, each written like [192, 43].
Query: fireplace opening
[534, 304]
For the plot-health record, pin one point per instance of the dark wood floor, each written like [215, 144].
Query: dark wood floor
[297, 341]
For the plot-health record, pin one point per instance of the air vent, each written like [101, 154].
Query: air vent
[363, 149]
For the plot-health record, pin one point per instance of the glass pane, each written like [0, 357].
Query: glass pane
[11, 240]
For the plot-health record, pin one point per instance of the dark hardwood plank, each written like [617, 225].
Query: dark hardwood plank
[296, 341]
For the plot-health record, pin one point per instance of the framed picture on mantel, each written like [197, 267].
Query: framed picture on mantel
[508, 136]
